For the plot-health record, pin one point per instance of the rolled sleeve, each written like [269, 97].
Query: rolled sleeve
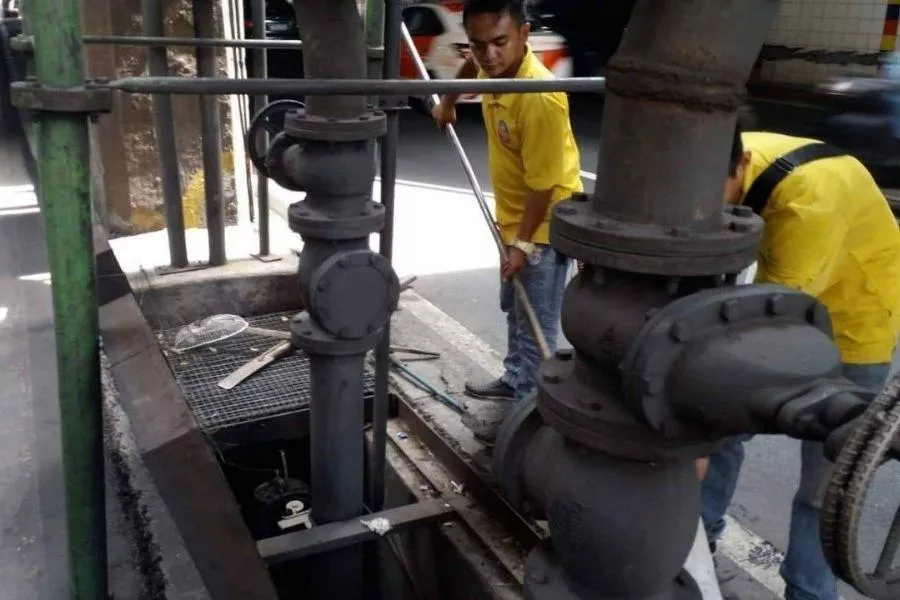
[543, 121]
[802, 239]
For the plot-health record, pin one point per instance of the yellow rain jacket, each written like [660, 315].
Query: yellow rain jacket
[830, 233]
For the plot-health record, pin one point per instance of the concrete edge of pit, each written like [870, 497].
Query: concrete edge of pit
[168, 442]
[156, 551]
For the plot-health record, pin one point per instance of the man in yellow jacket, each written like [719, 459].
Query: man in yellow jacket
[828, 232]
[534, 164]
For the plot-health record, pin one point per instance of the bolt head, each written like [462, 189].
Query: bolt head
[552, 378]
[680, 331]
[566, 210]
[775, 305]
[731, 310]
[742, 211]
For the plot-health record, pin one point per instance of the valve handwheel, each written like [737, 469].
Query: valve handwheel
[270, 119]
[859, 459]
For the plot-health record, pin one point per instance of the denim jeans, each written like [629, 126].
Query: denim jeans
[805, 570]
[544, 280]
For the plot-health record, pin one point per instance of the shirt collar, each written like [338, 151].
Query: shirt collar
[524, 69]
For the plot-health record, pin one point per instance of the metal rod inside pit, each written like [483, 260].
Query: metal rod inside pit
[389, 145]
[164, 128]
[64, 186]
[353, 87]
[261, 72]
[211, 131]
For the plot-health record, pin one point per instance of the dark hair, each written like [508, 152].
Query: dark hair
[737, 150]
[514, 8]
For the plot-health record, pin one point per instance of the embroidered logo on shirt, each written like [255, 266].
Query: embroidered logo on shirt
[503, 132]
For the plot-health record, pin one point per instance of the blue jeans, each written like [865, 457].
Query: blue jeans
[544, 280]
[805, 571]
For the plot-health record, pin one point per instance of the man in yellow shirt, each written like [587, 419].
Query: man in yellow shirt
[829, 232]
[534, 164]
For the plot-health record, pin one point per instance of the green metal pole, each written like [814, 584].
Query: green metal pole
[64, 173]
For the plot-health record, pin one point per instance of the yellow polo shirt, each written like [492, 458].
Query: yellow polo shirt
[830, 233]
[530, 148]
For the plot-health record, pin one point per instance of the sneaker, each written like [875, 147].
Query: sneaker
[492, 390]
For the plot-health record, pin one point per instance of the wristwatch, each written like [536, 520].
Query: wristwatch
[526, 247]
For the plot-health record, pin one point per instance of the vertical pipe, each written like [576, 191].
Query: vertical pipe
[205, 27]
[164, 128]
[261, 71]
[337, 431]
[389, 145]
[64, 174]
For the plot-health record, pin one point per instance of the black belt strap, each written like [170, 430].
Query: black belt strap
[761, 189]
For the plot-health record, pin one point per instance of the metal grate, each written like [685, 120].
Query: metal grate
[281, 388]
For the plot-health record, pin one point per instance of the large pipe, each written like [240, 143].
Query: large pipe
[261, 71]
[64, 186]
[355, 86]
[348, 291]
[211, 133]
[164, 128]
[389, 144]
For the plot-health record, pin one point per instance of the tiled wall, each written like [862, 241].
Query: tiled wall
[815, 39]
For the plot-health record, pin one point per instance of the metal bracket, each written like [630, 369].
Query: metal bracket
[87, 99]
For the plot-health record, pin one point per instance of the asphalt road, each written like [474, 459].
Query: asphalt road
[771, 471]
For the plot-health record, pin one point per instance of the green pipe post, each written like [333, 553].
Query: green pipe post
[64, 177]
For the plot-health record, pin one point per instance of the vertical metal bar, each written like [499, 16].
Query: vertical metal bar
[389, 143]
[164, 129]
[205, 27]
[261, 71]
[374, 40]
[64, 173]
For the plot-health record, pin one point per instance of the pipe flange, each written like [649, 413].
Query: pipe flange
[656, 349]
[302, 125]
[577, 231]
[574, 408]
[353, 294]
[309, 336]
[311, 222]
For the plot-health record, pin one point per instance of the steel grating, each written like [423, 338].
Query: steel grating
[279, 389]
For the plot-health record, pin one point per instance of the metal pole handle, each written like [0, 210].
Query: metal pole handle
[482, 203]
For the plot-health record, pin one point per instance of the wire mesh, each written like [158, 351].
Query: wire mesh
[280, 389]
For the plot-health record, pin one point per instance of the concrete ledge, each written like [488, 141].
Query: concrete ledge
[171, 446]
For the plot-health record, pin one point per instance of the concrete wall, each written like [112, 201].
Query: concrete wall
[126, 160]
[813, 40]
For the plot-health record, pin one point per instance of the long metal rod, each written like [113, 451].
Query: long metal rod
[161, 42]
[352, 87]
[64, 186]
[211, 132]
[521, 294]
[389, 143]
[164, 128]
[261, 71]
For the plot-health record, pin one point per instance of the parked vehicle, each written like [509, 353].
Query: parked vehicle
[281, 24]
[438, 35]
